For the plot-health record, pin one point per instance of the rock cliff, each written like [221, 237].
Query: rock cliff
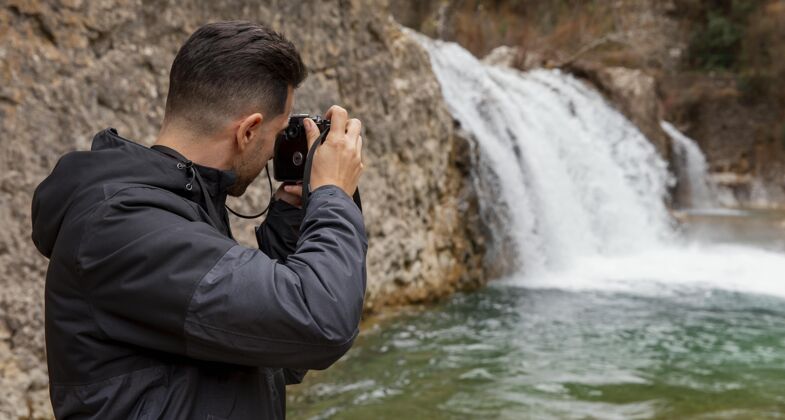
[70, 68]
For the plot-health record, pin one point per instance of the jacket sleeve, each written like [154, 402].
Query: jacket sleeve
[157, 278]
[277, 237]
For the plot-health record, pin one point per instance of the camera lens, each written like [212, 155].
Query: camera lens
[297, 158]
[292, 131]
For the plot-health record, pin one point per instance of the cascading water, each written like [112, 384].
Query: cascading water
[579, 178]
[584, 187]
[692, 171]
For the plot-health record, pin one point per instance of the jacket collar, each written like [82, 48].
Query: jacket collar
[202, 184]
[217, 181]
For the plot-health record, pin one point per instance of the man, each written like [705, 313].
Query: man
[153, 310]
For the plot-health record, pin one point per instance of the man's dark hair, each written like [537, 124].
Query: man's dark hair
[227, 68]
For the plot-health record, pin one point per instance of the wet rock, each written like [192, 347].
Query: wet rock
[504, 56]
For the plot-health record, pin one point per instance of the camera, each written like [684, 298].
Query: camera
[291, 148]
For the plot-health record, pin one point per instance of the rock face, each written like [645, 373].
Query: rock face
[70, 68]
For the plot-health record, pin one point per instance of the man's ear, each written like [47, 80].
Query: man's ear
[248, 130]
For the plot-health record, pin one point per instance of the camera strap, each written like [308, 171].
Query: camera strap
[257, 215]
[307, 173]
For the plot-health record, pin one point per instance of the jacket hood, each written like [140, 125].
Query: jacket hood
[113, 159]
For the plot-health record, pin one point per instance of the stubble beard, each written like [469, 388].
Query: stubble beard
[242, 183]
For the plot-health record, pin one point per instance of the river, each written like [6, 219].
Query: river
[514, 352]
[616, 306]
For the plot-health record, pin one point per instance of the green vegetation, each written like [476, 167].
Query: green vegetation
[717, 43]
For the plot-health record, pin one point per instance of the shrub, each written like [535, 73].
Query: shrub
[716, 45]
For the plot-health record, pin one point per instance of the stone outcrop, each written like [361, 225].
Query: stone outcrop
[71, 67]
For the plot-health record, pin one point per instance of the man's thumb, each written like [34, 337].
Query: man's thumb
[311, 131]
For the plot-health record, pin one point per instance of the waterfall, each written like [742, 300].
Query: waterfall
[581, 189]
[693, 189]
[576, 176]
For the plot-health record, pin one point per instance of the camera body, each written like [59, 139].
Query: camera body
[291, 148]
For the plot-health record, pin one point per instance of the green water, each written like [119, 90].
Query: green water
[510, 352]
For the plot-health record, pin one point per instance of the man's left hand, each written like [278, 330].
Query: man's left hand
[291, 194]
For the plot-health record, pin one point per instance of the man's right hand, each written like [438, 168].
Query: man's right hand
[338, 161]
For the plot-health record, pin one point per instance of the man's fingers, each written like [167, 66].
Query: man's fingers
[292, 196]
[292, 199]
[340, 161]
[353, 128]
[329, 113]
[338, 117]
[311, 131]
[359, 147]
[294, 189]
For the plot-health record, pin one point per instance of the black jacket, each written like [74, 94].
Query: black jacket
[153, 310]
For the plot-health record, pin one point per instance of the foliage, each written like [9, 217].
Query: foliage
[716, 43]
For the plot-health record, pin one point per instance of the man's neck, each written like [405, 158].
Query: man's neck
[212, 153]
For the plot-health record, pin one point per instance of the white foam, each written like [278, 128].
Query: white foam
[670, 269]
